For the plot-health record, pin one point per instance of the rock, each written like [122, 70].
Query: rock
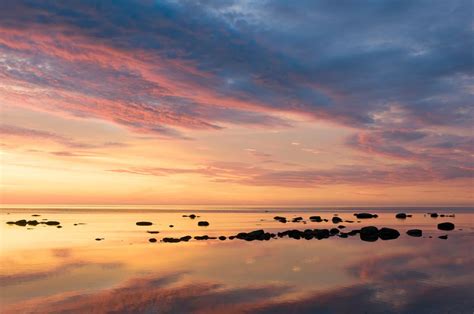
[334, 231]
[222, 238]
[99, 239]
[280, 219]
[369, 234]
[185, 238]
[444, 237]
[171, 226]
[144, 223]
[254, 235]
[434, 215]
[21, 222]
[33, 222]
[10, 222]
[401, 216]
[343, 235]
[349, 221]
[388, 234]
[415, 232]
[59, 227]
[203, 223]
[171, 240]
[52, 223]
[341, 227]
[446, 226]
[153, 232]
[297, 219]
[204, 237]
[353, 232]
[152, 240]
[336, 220]
[315, 219]
[365, 215]
[192, 216]
[35, 215]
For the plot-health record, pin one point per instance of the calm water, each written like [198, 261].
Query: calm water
[45, 269]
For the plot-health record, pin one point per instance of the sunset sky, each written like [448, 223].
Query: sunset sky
[237, 102]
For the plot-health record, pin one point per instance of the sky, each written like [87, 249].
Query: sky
[245, 102]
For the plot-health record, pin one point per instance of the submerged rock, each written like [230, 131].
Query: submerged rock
[365, 215]
[152, 232]
[315, 218]
[280, 219]
[144, 223]
[52, 223]
[388, 234]
[203, 223]
[446, 226]
[415, 232]
[152, 240]
[444, 237]
[341, 227]
[369, 234]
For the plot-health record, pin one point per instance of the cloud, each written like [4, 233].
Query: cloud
[151, 68]
[34, 134]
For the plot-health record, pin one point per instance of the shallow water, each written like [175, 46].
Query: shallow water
[47, 269]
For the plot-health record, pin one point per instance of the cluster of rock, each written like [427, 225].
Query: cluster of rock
[24, 223]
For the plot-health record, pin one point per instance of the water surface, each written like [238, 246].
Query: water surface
[50, 269]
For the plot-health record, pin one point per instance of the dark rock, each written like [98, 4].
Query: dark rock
[144, 223]
[401, 216]
[444, 237]
[10, 222]
[99, 239]
[35, 215]
[336, 220]
[415, 232]
[365, 215]
[153, 232]
[222, 238]
[21, 222]
[171, 226]
[280, 219]
[52, 223]
[185, 238]
[349, 221]
[171, 240]
[152, 240]
[203, 223]
[254, 235]
[334, 231]
[297, 219]
[446, 226]
[369, 234]
[434, 215]
[315, 219]
[341, 227]
[388, 234]
[59, 227]
[353, 232]
[343, 235]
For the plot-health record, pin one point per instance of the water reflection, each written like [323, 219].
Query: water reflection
[126, 275]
